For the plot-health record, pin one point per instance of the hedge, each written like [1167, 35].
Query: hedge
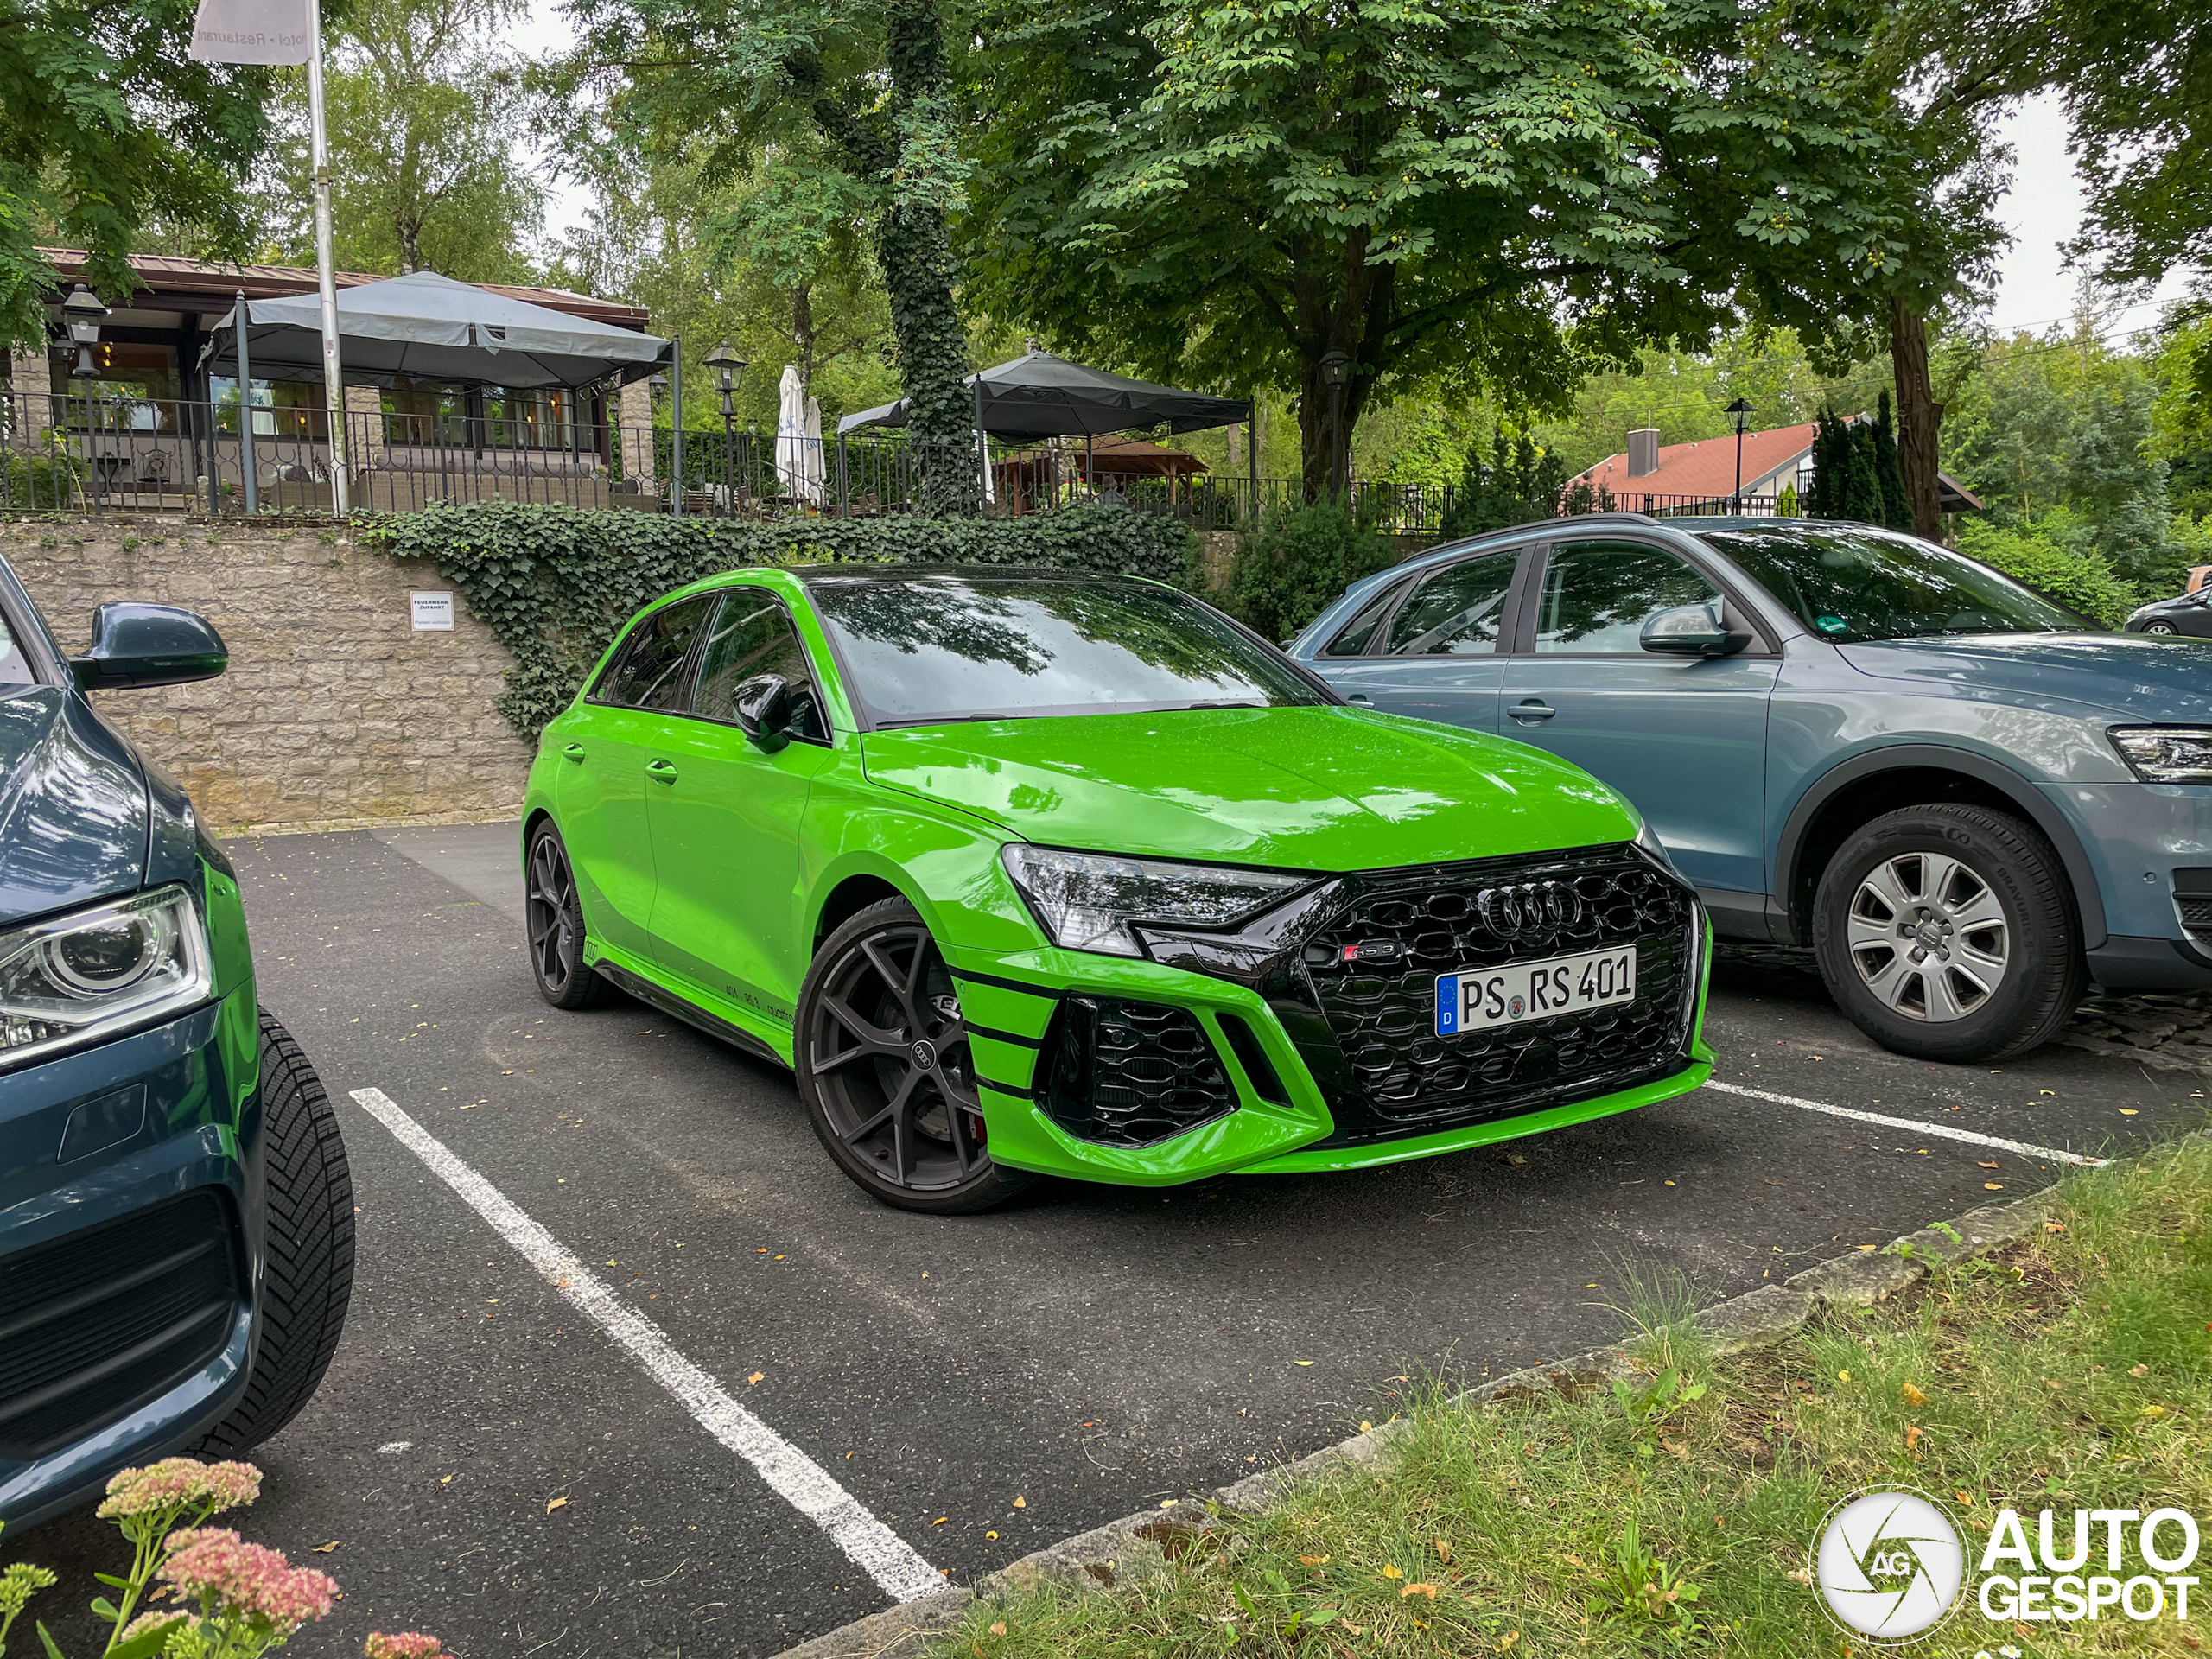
[555, 584]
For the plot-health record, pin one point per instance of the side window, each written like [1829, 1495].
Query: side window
[752, 636]
[1598, 594]
[15, 666]
[648, 673]
[1458, 611]
[1359, 637]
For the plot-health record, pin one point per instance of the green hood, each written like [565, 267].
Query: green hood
[1314, 789]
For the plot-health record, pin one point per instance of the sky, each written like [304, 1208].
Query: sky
[2042, 209]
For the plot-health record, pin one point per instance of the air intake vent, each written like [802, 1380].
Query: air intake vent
[1127, 1074]
[99, 1322]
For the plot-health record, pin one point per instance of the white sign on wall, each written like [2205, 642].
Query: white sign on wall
[432, 612]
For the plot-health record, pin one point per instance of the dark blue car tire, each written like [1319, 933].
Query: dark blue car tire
[1966, 886]
[308, 1247]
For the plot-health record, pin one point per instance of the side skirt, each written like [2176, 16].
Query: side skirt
[674, 1006]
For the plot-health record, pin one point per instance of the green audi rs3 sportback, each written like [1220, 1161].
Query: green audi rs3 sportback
[1033, 873]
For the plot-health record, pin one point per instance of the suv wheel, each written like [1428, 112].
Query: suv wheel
[885, 1069]
[1947, 932]
[557, 923]
[306, 1247]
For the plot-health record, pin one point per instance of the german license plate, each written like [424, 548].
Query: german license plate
[1475, 999]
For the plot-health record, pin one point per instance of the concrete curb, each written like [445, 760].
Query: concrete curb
[1755, 1319]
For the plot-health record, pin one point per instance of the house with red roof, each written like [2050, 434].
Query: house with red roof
[1650, 477]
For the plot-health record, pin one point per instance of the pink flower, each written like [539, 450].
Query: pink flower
[211, 1562]
[179, 1484]
[407, 1644]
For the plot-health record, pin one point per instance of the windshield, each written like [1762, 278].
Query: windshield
[1862, 583]
[931, 649]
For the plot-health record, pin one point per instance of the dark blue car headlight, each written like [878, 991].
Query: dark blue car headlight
[76, 979]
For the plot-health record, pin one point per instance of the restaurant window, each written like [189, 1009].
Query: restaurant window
[133, 389]
[438, 414]
[281, 409]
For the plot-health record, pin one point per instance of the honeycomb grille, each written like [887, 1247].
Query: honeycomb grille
[2196, 914]
[1399, 1077]
[1127, 1074]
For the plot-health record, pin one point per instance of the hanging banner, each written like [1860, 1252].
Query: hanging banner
[252, 31]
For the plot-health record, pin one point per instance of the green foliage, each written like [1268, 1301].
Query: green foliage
[1889, 479]
[1644, 1589]
[2077, 578]
[1515, 484]
[109, 125]
[424, 112]
[1298, 560]
[1648, 1409]
[1785, 504]
[555, 584]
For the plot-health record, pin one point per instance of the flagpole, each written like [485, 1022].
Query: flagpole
[334, 388]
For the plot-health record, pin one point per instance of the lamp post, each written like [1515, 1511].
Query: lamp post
[81, 313]
[1739, 409]
[729, 369]
[1336, 373]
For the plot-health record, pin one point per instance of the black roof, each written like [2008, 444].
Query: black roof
[815, 574]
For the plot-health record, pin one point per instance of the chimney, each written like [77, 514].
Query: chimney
[1643, 452]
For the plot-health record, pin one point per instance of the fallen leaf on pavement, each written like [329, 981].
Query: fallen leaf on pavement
[940, 1520]
[325, 1549]
[555, 1504]
[1985, 1165]
[1992, 1186]
[755, 1377]
[1301, 1362]
[1021, 1503]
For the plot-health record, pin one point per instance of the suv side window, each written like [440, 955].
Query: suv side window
[649, 671]
[754, 635]
[1597, 595]
[15, 666]
[1458, 611]
[1357, 637]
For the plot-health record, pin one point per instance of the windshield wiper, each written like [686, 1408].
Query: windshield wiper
[939, 720]
[1184, 707]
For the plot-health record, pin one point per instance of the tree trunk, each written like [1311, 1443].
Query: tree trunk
[410, 246]
[1920, 418]
[803, 335]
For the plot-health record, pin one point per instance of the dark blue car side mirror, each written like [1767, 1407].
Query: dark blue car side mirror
[149, 645]
[1693, 630]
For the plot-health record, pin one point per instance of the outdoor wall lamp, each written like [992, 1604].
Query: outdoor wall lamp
[1739, 409]
[82, 311]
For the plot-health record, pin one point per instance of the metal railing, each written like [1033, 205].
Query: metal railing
[96, 453]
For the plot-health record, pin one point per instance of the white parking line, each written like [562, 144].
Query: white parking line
[873, 1546]
[1919, 1128]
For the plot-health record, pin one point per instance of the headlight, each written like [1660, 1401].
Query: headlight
[78, 978]
[1085, 901]
[2166, 754]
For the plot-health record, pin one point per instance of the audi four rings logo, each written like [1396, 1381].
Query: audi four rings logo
[1528, 907]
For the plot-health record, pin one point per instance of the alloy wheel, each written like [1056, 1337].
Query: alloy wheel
[1929, 937]
[2165, 628]
[552, 901]
[888, 1054]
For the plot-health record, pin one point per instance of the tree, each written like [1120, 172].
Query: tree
[1896, 513]
[1862, 489]
[1470, 194]
[1516, 485]
[420, 101]
[108, 121]
[871, 80]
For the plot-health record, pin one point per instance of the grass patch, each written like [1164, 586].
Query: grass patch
[2074, 1370]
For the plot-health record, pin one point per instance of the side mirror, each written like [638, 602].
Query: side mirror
[1693, 630]
[149, 645]
[764, 708]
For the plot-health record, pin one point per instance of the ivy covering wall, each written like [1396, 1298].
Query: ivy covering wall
[555, 584]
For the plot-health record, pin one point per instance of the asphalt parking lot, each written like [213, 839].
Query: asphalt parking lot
[491, 1467]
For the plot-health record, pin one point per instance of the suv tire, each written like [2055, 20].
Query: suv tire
[1948, 932]
[306, 1247]
[912, 1141]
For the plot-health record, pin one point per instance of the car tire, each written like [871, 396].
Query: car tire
[307, 1277]
[554, 920]
[2164, 630]
[884, 1068]
[1949, 932]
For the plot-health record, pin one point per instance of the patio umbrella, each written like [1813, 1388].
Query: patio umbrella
[431, 327]
[791, 433]
[1039, 396]
[812, 453]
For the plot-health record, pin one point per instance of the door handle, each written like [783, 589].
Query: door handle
[1532, 709]
[661, 771]
[573, 752]
[1359, 700]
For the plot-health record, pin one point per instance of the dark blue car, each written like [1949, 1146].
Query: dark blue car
[176, 1219]
[1967, 799]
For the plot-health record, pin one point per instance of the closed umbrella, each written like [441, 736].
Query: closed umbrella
[815, 492]
[790, 431]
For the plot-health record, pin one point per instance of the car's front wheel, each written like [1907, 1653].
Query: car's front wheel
[885, 1069]
[2164, 629]
[1947, 932]
[307, 1277]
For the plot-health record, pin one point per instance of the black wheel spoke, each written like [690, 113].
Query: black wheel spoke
[899, 985]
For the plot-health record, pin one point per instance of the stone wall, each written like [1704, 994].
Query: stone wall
[334, 709]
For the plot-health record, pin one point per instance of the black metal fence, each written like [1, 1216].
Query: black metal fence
[93, 454]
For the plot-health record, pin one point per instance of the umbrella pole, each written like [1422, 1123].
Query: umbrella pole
[245, 413]
[982, 448]
[676, 433]
[334, 386]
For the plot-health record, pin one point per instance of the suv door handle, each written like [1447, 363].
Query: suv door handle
[661, 771]
[573, 752]
[1531, 710]
[1359, 700]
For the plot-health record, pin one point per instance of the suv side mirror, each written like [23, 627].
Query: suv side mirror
[149, 645]
[1693, 630]
[764, 709]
